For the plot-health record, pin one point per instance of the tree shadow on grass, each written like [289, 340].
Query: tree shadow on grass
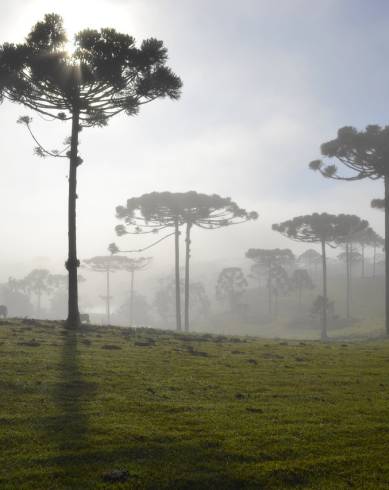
[68, 429]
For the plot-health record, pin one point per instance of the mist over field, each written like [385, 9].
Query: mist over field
[258, 100]
[194, 266]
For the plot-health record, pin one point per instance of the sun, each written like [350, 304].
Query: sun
[81, 14]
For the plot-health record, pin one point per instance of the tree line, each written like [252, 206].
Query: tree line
[108, 74]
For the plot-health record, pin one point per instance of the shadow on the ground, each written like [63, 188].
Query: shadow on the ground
[68, 430]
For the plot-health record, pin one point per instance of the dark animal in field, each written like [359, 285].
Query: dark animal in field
[84, 318]
[3, 311]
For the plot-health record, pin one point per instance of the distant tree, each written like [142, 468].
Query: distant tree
[368, 238]
[38, 282]
[301, 280]
[310, 259]
[230, 287]
[132, 266]
[151, 213]
[280, 284]
[365, 154]
[315, 228]
[106, 264]
[199, 301]
[14, 295]
[206, 211]
[106, 75]
[137, 307]
[350, 227]
[270, 260]
[164, 300]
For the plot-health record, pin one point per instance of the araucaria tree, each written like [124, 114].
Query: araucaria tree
[151, 213]
[350, 226]
[106, 264]
[106, 75]
[210, 212]
[159, 210]
[310, 259]
[38, 281]
[135, 265]
[301, 280]
[314, 228]
[365, 155]
[270, 260]
[230, 287]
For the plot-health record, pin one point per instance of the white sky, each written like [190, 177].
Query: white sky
[265, 83]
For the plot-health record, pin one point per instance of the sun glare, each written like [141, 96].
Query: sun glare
[82, 14]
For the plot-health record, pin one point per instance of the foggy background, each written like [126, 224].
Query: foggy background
[264, 85]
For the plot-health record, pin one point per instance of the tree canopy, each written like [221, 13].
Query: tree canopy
[105, 75]
[157, 210]
[364, 153]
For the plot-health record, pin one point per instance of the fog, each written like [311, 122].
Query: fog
[257, 102]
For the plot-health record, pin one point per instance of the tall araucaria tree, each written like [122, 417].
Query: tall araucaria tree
[365, 155]
[151, 213]
[156, 211]
[206, 211]
[107, 74]
[314, 228]
[270, 260]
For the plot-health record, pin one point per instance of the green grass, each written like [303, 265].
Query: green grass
[190, 412]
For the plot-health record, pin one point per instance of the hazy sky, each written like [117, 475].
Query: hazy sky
[265, 83]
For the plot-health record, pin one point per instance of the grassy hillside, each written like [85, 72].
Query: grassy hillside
[187, 412]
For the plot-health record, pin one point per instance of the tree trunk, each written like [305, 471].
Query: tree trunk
[325, 299]
[374, 257]
[132, 298]
[73, 320]
[177, 273]
[363, 261]
[300, 295]
[348, 279]
[39, 303]
[108, 300]
[187, 259]
[270, 288]
[387, 255]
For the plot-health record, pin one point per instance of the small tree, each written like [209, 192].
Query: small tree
[280, 284]
[230, 287]
[310, 259]
[314, 228]
[270, 260]
[301, 280]
[38, 282]
[132, 266]
[106, 264]
[365, 155]
[106, 75]
[368, 238]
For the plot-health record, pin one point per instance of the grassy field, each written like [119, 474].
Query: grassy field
[187, 412]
